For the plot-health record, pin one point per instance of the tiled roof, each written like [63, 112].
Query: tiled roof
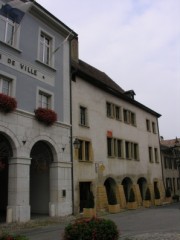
[170, 142]
[104, 82]
[97, 75]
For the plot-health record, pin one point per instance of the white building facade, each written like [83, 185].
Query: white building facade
[119, 140]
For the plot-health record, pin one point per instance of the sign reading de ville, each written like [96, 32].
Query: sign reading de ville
[26, 69]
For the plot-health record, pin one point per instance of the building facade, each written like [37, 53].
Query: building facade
[35, 154]
[119, 141]
[170, 152]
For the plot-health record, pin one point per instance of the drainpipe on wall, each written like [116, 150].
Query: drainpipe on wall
[161, 156]
[71, 130]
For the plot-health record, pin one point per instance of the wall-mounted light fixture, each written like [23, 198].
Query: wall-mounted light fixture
[76, 143]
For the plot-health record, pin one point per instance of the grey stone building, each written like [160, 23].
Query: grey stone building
[35, 154]
[170, 153]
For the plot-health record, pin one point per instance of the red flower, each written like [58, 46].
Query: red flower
[7, 103]
[45, 115]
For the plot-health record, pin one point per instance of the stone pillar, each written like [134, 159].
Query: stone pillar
[60, 189]
[18, 209]
[121, 196]
[151, 188]
[137, 194]
[101, 201]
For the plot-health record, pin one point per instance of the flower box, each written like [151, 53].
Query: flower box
[46, 116]
[7, 103]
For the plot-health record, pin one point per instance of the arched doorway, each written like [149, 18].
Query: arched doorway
[142, 182]
[127, 183]
[5, 154]
[110, 186]
[42, 157]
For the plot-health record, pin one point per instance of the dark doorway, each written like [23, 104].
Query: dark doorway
[5, 154]
[127, 183]
[110, 186]
[142, 186]
[42, 157]
[84, 189]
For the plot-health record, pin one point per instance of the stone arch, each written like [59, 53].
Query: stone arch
[110, 186]
[142, 182]
[12, 138]
[127, 184]
[6, 152]
[42, 155]
[49, 141]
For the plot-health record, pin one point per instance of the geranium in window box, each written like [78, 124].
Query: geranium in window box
[7, 103]
[46, 116]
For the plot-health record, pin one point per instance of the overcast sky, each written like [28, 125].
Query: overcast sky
[136, 43]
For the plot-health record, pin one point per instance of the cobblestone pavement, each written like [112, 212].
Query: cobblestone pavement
[154, 236]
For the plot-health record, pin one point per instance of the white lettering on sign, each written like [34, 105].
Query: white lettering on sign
[26, 69]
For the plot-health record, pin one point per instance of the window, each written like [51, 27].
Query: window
[44, 100]
[169, 183]
[135, 151]
[114, 147]
[117, 112]
[113, 111]
[83, 116]
[45, 54]
[128, 150]
[129, 117]
[132, 150]
[148, 127]
[5, 85]
[150, 154]
[156, 155]
[110, 147]
[109, 109]
[153, 127]
[175, 164]
[84, 152]
[178, 183]
[7, 30]
[119, 152]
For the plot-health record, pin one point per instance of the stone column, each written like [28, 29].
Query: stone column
[137, 194]
[121, 195]
[60, 189]
[101, 201]
[18, 209]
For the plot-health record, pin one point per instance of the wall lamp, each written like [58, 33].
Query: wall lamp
[76, 144]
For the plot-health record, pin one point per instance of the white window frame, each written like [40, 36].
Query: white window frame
[15, 33]
[12, 82]
[50, 96]
[51, 48]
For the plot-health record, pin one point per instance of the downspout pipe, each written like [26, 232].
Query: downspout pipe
[71, 123]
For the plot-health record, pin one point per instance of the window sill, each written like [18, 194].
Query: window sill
[85, 126]
[11, 47]
[45, 65]
[85, 161]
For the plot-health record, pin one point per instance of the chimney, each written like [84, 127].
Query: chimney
[74, 50]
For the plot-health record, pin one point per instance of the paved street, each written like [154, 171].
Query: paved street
[142, 224]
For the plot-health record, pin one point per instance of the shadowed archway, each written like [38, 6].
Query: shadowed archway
[142, 182]
[5, 154]
[42, 157]
[127, 183]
